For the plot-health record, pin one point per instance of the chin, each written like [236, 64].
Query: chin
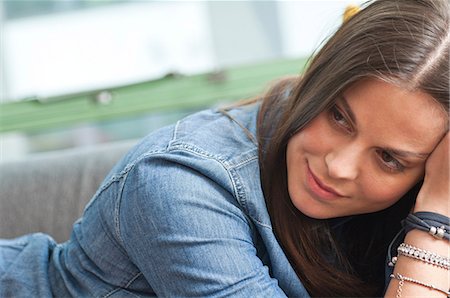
[320, 215]
[310, 209]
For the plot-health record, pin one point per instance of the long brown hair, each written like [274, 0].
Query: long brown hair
[403, 42]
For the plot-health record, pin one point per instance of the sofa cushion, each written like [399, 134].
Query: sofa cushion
[47, 192]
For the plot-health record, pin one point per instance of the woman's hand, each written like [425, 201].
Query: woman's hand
[434, 196]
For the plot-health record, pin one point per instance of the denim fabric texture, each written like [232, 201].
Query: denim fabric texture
[181, 215]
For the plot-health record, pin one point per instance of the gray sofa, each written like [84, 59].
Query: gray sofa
[47, 192]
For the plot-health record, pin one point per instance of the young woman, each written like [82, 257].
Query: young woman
[298, 194]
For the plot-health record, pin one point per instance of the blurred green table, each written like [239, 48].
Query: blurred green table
[169, 93]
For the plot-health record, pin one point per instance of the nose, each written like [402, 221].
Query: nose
[342, 163]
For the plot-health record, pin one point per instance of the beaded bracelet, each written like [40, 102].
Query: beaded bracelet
[435, 224]
[402, 279]
[423, 255]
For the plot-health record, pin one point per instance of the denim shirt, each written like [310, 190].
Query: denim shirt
[182, 214]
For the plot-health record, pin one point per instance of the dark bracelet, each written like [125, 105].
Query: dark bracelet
[435, 224]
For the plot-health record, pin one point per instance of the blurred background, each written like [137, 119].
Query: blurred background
[77, 73]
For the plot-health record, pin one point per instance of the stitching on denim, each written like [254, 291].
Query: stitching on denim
[100, 191]
[244, 162]
[247, 132]
[178, 147]
[117, 212]
[117, 177]
[111, 292]
[111, 238]
[119, 195]
[193, 148]
[175, 131]
[132, 280]
[240, 195]
[129, 166]
[120, 289]
[126, 286]
[261, 223]
[199, 152]
[229, 168]
[238, 189]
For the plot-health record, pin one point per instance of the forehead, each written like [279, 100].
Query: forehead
[395, 115]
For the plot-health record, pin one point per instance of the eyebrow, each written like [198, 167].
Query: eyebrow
[407, 154]
[398, 152]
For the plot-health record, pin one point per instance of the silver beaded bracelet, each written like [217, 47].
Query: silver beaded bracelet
[423, 255]
[402, 279]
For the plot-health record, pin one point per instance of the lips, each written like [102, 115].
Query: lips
[319, 189]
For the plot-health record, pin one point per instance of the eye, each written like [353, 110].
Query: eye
[339, 119]
[390, 162]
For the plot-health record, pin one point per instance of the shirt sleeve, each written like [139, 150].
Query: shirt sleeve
[187, 233]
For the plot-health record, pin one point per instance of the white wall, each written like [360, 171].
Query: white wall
[3, 91]
[306, 23]
[125, 43]
[245, 32]
[113, 45]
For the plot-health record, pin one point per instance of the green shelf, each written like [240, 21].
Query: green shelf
[174, 92]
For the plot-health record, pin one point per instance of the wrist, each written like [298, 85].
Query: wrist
[430, 206]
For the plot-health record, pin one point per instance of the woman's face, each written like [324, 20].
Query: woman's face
[363, 154]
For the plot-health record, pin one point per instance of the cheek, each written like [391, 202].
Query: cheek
[387, 191]
[316, 137]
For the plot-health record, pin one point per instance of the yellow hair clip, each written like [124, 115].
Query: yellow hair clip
[350, 11]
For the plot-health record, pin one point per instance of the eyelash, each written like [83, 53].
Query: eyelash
[387, 161]
[395, 165]
[339, 119]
